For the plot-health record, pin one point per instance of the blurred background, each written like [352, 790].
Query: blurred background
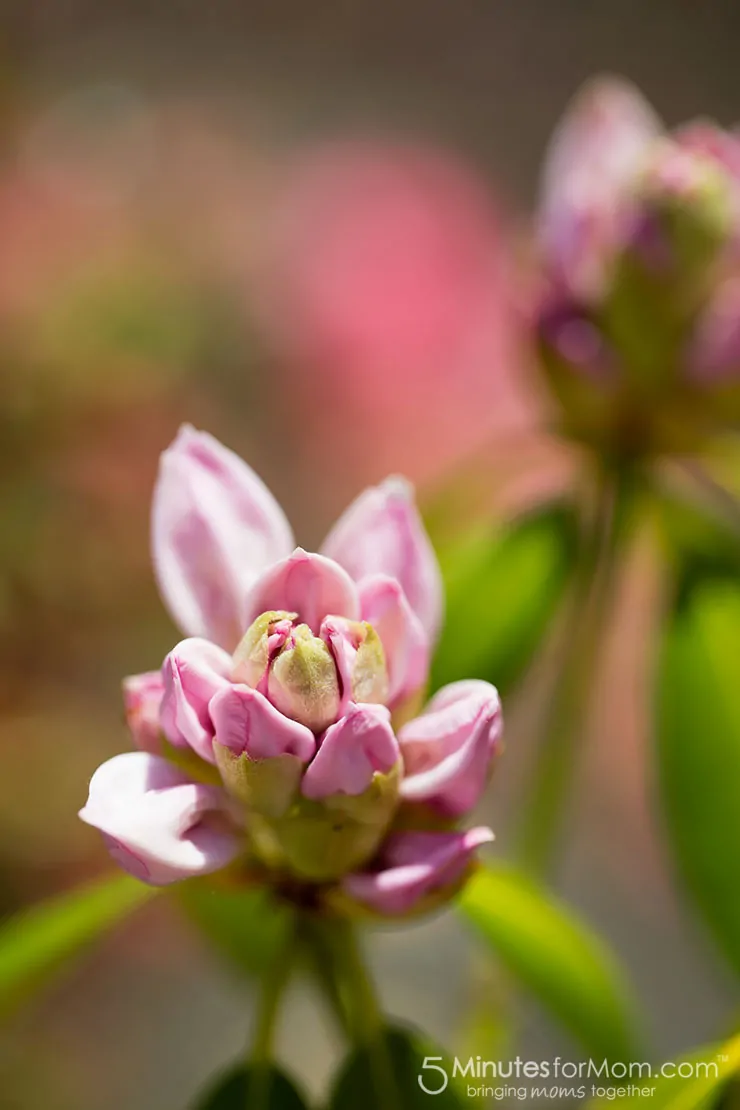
[302, 228]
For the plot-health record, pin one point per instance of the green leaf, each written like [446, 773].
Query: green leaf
[248, 927]
[242, 1088]
[36, 941]
[698, 750]
[712, 1069]
[389, 1075]
[502, 592]
[566, 967]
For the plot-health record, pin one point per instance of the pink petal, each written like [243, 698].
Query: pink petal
[416, 864]
[310, 585]
[405, 643]
[142, 697]
[382, 533]
[215, 527]
[351, 751]
[447, 751]
[157, 824]
[192, 672]
[593, 156]
[245, 721]
[713, 355]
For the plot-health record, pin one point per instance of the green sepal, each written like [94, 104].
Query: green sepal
[264, 786]
[323, 840]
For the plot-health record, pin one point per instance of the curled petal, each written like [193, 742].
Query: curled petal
[447, 751]
[416, 865]
[351, 751]
[382, 533]
[192, 673]
[405, 643]
[245, 721]
[142, 697]
[215, 527]
[309, 585]
[157, 824]
[594, 154]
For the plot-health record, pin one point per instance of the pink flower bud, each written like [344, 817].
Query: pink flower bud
[418, 871]
[157, 825]
[382, 533]
[447, 751]
[352, 751]
[192, 672]
[142, 697]
[312, 679]
[215, 528]
[593, 159]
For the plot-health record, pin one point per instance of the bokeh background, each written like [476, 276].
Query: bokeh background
[304, 228]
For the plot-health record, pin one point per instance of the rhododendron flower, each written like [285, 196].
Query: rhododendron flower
[638, 233]
[281, 730]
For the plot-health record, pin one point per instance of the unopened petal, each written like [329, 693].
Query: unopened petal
[382, 533]
[416, 865]
[595, 153]
[157, 824]
[351, 752]
[245, 722]
[405, 643]
[142, 698]
[215, 528]
[309, 585]
[192, 672]
[447, 751]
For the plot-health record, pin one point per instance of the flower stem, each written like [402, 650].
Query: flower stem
[356, 1003]
[272, 987]
[593, 586]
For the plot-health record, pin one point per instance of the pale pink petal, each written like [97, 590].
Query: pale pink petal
[310, 585]
[415, 865]
[142, 697]
[351, 751]
[447, 751]
[406, 645]
[157, 824]
[593, 157]
[215, 528]
[192, 672]
[245, 721]
[382, 533]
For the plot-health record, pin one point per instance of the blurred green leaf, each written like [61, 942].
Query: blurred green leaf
[699, 1091]
[387, 1075]
[698, 749]
[36, 941]
[248, 927]
[565, 966]
[502, 592]
[238, 1090]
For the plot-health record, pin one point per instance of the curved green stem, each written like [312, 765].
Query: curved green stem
[591, 594]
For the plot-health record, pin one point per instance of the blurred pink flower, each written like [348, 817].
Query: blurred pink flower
[386, 294]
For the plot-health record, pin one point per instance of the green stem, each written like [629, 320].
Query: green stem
[355, 1001]
[564, 719]
[261, 1054]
